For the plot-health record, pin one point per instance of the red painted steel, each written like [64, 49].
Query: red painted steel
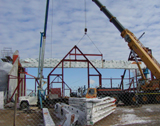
[56, 91]
[59, 78]
[109, 89]
[86, 54]
[21, 91]
[15, 90]
[77, 52]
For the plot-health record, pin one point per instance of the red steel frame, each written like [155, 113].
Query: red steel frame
[20, 79]
[131, 83]
[20, 82]
[76, 52]
[58, 77]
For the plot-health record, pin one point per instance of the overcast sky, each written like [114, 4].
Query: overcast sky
[21, 22]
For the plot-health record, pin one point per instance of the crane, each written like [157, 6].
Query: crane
[41, 57]
[136, 46]
[42, 47]
[147, 90]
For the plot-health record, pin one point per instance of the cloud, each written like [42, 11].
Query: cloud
[92, 81]
[22, 21]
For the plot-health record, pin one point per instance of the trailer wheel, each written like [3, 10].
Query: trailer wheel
[125, 98]
[144, 99]
[24, 105]
[157, 98]
[134, 99]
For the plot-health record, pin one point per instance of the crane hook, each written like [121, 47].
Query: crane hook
[85, 31]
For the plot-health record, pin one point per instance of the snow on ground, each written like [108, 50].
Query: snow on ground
[128, 110]
[132, 119]
[129, 117]
[149, 110]
[143, 115]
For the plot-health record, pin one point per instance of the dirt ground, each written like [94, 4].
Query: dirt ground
[23, 118]
[145, 115]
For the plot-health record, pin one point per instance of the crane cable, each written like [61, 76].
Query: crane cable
[80, 39]
[85, 29]
[94, 44]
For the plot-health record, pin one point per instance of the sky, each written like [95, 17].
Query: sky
[23, 20]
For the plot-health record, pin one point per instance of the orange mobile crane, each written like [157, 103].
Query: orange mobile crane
[147, 90]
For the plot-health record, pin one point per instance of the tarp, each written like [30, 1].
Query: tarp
[4, 70]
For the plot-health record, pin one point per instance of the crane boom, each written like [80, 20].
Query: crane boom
[42, 47]
[133, 42]
[46, 18]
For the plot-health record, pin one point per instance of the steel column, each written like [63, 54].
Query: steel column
[62, 81]
[88, 76]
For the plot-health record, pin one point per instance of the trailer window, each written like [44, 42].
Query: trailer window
[91, 91]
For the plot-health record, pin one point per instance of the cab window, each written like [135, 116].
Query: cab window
[32, 94]
[91, 91]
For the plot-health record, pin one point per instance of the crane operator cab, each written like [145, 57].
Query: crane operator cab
[141, 81]
[91, 93]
